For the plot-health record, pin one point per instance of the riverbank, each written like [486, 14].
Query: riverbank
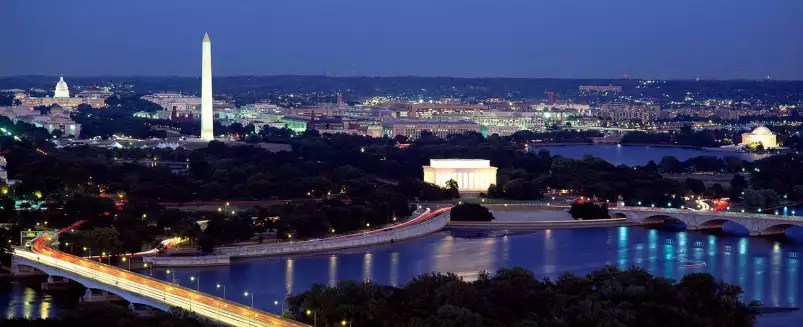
[426, 223]
[538, 225]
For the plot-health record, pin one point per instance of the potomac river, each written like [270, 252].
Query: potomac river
[769, 271]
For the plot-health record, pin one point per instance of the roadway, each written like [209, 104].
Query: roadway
[212, 307]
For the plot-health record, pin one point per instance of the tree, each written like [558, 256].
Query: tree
[516, 297]
[739, 181]
[754, 200]
[670, 165]
[470, 212]
[452, 189]
[797, 193]
[589, 210]
[696, 186]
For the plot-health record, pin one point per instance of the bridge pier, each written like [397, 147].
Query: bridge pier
[55, 283]
[142, 310]
[102, 296]
[18, 270]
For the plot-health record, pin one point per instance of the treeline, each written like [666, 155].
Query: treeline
[515, 297]
[684, 136]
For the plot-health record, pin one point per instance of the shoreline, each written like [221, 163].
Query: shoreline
[535, 145]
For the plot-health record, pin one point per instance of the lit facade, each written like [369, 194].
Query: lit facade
[57, 119]
[471, 175]
[413, 129]
[623, 112]
[499, 122]
[62, 98]
[760, 135]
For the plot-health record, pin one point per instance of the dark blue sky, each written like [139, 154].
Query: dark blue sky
[722, 39]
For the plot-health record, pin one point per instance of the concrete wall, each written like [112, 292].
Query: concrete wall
[432, 225]
[207, 260]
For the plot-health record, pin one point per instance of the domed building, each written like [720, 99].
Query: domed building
[62, 98]
[62, 90]
[761, 135]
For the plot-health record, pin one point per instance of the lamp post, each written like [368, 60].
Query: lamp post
[314, 317]
[224, 298]
[197, 288]
[224, 290]
[343, 323]
[252, 307]
[146, 265]
[129, 262]
[174, 276]
[276, 302]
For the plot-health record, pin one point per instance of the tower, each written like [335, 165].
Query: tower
[207, 132]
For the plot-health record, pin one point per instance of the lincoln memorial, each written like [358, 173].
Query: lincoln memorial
[471, 175]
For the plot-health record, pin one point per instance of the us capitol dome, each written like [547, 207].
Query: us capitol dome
[62, 91]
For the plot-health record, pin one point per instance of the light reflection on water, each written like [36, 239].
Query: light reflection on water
[767, 270]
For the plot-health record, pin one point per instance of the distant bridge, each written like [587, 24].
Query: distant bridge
[756, 224]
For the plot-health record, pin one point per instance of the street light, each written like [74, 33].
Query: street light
[198, 284]
[124, 259]
[174, 275]
[276, 302]
[252, 307]
[314, 317]
[224, 289]
[146, 265]
[197, 288]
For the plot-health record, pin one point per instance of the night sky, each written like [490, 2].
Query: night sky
[677, 39]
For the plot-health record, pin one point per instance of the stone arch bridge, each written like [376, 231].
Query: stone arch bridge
[756, 224]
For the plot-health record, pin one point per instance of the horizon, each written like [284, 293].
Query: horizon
[67, 77]
[584, 39]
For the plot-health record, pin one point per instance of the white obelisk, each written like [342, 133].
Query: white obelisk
[207, 132]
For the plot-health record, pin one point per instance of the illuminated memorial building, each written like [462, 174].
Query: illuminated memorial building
[760, 135]
[471, 175]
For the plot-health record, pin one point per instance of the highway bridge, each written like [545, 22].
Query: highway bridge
[141, 290]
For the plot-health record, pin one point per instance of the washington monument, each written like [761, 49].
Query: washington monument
[207, 132]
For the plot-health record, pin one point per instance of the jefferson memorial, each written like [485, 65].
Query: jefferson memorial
[760, 135]
[471, 175]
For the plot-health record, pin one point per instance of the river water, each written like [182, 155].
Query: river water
[637, 155]
[769, 271]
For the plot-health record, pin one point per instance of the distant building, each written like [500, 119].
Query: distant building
[471, 175]
[760, 135]
[62, 98]
[600, 88]
[499, 122]
[627, 112]
[427, 110]
[57, 119]
[413, 129]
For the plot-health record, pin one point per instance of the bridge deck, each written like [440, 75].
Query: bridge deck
[150, 289]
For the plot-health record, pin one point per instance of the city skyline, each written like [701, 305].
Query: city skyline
[648, 41]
